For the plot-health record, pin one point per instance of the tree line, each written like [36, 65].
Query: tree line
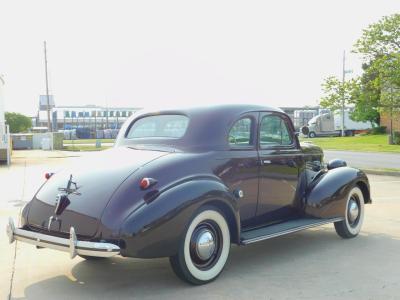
[377, 89]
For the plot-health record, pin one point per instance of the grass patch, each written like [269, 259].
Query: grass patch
[366, 143]
[78, 147]
[87, 141]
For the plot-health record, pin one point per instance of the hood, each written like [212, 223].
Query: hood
[310, 148]
[97, 178]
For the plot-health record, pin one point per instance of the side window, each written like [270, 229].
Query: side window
[274, 132]
[240, 133]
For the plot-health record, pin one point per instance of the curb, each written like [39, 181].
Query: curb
[381, 172]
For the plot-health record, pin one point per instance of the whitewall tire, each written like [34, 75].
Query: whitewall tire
[354, 215]
[205, 249]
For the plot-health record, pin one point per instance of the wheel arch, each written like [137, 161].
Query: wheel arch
[364, 187]
[231, 218]
[155, 229]
[326, 196]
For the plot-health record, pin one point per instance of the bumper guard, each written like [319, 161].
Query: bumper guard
[71, 245]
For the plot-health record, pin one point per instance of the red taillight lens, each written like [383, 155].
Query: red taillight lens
[48, 175]
[146, 182]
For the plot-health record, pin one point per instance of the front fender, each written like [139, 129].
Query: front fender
[156, 229]
[327, 195]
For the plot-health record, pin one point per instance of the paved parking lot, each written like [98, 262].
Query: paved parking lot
[306, 265]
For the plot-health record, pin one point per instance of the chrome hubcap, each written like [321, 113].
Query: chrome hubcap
[205, 244]
[353, 210]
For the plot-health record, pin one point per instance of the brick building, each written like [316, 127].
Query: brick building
[385, 120]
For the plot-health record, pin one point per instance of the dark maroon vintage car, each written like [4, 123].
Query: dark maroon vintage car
[187, 183]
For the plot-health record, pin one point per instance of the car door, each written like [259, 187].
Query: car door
[240, 170]
[280, 158]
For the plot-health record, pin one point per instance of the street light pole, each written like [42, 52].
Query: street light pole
[47, 89]
[343, 100]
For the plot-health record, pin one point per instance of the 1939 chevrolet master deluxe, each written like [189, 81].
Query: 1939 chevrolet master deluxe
[186, 183]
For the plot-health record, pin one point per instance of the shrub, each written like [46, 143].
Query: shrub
[378, 130]
[18, 123]
[396, 138]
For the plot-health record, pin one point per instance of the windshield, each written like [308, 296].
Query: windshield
[313, 120]
[160, 126]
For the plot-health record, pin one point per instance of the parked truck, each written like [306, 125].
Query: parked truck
[330, 124]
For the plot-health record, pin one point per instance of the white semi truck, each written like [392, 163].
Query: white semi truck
[4, 134]
[330, 124]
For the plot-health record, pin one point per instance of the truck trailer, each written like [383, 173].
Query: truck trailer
[330, 124]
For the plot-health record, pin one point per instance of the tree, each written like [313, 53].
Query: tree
[366, 97]
[338, 93]
[18, 122]
[379, 46]
[380, 39]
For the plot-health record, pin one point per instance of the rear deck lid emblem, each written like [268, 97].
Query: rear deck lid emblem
[62, 200]
[72, 188]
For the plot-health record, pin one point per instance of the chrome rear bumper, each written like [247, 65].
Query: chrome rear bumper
[71, 245]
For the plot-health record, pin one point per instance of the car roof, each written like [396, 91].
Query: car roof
[221, 108]
[208, 126]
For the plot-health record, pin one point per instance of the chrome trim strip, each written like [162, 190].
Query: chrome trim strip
[71, 245]
[270, 236]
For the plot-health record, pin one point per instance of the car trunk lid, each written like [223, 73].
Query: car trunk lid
[96, 179]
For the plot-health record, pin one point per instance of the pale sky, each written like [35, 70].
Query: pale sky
[135, 53]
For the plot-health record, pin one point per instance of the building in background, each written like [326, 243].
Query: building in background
[301, 115]
[92, 117]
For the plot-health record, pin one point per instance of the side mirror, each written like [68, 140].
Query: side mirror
[336, 163]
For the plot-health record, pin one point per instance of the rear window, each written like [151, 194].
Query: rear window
[161, 126]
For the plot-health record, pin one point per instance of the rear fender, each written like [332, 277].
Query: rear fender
[327, 195]
[156, 228]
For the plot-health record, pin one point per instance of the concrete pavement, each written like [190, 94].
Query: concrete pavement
[306, 265]
[368, 160]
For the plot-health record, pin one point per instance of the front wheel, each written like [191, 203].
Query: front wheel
[354, 215]
[312, 135]
[205, 249]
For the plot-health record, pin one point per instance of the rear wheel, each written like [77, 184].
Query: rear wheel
[205, 249]
[354, 215]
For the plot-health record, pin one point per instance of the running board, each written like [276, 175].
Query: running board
[271, 231]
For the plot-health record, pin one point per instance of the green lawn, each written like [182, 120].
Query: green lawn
[369, 143]
[87, 141]
[78, 147]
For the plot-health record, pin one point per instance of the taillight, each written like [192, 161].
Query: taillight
[48, 175]
[147, 182]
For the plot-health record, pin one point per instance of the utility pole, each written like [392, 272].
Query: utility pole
[47, 89]
[106, 114]
[343, 80]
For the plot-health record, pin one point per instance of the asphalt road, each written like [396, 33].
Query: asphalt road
[372, 160]
[312, 264]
